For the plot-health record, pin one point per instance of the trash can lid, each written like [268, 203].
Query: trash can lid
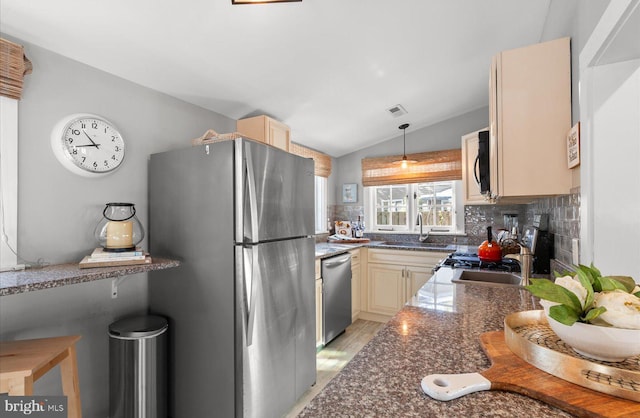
[138, 326]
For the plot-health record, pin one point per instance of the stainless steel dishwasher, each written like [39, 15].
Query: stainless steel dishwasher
[336, 295]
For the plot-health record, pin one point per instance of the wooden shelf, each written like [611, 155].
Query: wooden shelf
[58, 275]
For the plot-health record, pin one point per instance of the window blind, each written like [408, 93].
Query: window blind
[322, 161]
[14, 65]
[429, 166]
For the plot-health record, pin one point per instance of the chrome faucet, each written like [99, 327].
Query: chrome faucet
[525, 258]
[423, 237]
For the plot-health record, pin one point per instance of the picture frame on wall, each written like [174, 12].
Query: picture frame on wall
[349, 193]
[573, 146]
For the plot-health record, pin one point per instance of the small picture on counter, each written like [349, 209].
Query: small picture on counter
[573, 146]
[349, 193]
[343, 228]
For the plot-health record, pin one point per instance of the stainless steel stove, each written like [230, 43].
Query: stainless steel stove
[472, 261]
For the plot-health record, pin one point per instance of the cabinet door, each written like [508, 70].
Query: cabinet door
[472, 195]
[355, 291]
[253, 128]
[416, 277]
[278, 134]
[533, 117]
[319, 334]
[386, 288]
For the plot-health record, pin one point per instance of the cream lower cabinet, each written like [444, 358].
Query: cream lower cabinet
[393, 277]
[415, 278]
[355, 284]
[386, 288]
[319, 336]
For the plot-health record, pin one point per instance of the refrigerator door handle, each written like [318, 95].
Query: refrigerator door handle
[252, 274]
[253, 198]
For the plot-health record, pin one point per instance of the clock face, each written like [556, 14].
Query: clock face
[88, 145]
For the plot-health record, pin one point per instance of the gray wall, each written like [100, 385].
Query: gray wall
[58, 210]
[440, 136]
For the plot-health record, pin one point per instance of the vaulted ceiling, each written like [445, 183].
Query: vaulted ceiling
[330, 69]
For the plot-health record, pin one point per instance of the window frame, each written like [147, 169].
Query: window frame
[320, 204]
[8, 183]
[457, 217]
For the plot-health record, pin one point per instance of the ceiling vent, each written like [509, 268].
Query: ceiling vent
[397, 111]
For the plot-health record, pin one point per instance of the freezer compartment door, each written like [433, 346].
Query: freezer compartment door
[274, 193]
[275, 325]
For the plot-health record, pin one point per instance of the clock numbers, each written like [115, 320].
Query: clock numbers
[94, 145]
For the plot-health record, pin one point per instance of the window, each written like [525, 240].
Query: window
[391, 207]
[321, 204]
[436, 202]
[396, 207]
[8, 182]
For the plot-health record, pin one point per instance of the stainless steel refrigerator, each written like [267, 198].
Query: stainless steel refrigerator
[241, 307]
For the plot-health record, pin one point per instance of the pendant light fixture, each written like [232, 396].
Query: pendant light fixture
[404, 162]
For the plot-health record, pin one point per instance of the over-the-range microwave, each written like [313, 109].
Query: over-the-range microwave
[481, 169]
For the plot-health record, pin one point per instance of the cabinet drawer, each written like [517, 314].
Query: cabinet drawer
[355, 256]
[400, 257]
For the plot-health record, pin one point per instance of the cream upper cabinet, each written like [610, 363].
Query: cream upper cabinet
[267, 130]
[530, 116]
[472, 195]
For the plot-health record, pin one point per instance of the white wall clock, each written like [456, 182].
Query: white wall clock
[87, 145]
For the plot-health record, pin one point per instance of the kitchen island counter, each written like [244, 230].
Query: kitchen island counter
[437, 332]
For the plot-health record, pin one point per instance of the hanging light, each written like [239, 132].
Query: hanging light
[404, 163]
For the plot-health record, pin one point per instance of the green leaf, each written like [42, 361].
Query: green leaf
[564, 273]
[563, 314]
[628, 282]
[637, 294]
[591, 275]
[545, 289]
[608, 284]
[595, 271]
[584, 281]
[594, 313]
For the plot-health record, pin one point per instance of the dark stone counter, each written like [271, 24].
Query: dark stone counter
[15, 282]
[437, 332]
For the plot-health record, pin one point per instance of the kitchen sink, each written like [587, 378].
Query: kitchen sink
[487, 277]
[424, 245]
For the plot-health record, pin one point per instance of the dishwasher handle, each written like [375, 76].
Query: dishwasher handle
[335, 262]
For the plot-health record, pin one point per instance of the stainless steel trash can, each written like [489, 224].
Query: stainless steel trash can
[138, 367]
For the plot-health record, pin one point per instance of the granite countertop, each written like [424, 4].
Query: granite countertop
[437, 332]
[58, 275]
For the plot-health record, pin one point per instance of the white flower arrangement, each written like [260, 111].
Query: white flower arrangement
[588, 297]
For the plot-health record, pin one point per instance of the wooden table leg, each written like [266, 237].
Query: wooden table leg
[71, 383]
[20, 385]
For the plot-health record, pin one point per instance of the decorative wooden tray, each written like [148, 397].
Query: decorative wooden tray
[529, 336]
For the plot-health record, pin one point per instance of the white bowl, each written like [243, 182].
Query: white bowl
[595, 341]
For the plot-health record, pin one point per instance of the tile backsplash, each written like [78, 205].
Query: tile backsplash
[564, 220]
[563, 211]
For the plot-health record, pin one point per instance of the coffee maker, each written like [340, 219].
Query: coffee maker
[540, 240]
